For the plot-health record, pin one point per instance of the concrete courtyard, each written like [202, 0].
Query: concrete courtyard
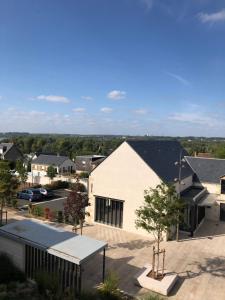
[199, 262]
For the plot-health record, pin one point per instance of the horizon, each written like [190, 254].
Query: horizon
[138, 67]
[15, 133]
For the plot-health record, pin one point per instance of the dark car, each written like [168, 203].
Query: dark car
[46, 193]
[30, 194]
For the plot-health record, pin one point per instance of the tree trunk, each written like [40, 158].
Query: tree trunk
[1, 213]
[177, 235]
[81, 227]
[157, 265]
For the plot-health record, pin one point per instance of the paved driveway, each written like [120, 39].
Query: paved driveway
[55, 204]
[200, 262]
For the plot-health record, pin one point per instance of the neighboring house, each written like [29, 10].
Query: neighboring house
[9, 151]
[203, 154]
[117, 185]
[86, 163]
[28, 159]
[210, 174]
[62, 164]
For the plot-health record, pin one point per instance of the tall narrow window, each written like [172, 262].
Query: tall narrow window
[222, 186]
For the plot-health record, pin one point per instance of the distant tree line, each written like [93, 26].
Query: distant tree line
[65, 145]
[72, 145]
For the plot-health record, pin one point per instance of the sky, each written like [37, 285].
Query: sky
[134, 67]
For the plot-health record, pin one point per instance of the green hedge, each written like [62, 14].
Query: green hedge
[59, 184]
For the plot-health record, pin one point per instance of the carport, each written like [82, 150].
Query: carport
[36, 246]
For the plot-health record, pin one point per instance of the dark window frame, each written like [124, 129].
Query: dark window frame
[222, 186]
[109, 211]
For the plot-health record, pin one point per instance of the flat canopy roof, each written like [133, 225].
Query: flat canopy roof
[208, 200]
[54, 240]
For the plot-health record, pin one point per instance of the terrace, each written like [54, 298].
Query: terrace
[198, 261]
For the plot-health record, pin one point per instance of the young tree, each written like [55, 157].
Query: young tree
[23, 174]
[74, 207]
[51, 172]
[158, 214]
[8, 186]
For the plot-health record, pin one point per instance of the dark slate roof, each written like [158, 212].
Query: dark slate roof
[86, 163]
[207, 169]
[7, 146]
[161, 156]
[43, 159]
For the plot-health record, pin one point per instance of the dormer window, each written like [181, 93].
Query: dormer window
[222, 186]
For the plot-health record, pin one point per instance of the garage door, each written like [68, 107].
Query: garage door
[222, 212]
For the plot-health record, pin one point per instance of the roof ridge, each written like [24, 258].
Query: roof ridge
[212, 158]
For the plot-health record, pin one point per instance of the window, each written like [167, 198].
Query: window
[222, 186]
[109, 211]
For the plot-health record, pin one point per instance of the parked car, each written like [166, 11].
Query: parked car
[46, 193]
[30, 194]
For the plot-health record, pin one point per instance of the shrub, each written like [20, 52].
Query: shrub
[84, 175]
[152, 297]
[8, 271]
[38, 211]
[78, 186]
[60, 216]
[3, 288]
[37, 186]
[14, 203]
[46, 212]
[52, 215]
[109, 289]
[47, 284]
[57, 185]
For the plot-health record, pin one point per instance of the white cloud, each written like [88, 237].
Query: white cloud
[116, 95]
[148, 3]
[53, 98]
[88, 98]
[212, 18]
[195, 118]
[79, 109]
[178, 78]
[140, 111]
[106, 109]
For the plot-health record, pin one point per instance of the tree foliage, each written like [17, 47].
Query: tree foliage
[8, 186]
[65, 144]
[74, 207]
[51, 172]
[23, 174]
[160, 212]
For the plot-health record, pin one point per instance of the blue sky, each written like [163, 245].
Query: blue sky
[113, 67]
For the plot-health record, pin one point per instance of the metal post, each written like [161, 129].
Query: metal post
[103, 266]
[179, 192]
[153, 262]
[164, 254]
[80, 280]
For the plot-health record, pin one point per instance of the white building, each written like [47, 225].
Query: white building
[62, 165]
[117, 185]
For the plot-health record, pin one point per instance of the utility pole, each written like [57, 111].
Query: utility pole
[180, 164]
